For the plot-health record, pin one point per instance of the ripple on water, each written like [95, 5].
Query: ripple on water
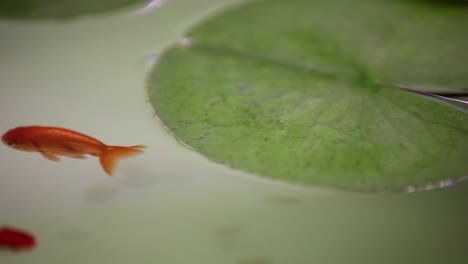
[257, 260]
[283, 200]
[74, 235]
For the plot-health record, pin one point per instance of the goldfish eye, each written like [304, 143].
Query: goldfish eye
[11, 142]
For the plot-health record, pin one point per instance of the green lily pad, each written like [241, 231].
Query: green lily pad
[302, 91]
[59, 8]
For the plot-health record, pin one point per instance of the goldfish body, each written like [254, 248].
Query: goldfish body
[15, 239]
[54, 141]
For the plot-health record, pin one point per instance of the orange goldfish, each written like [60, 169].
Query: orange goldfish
[53, 141]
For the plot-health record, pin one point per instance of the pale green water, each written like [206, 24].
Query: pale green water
[172, 205]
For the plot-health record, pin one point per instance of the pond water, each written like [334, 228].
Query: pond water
[172, 205]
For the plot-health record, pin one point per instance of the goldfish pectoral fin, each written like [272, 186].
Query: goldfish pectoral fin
[50, 156]
[76, 156]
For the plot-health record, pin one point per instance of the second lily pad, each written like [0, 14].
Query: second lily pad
[59, 9]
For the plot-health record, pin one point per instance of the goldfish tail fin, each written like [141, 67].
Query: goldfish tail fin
[113, 154]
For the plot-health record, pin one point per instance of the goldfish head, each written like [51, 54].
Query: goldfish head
[17, 139]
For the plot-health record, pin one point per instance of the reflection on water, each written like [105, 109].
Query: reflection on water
[152, 59]
[185, 42]
[152, 5]
[440, 184]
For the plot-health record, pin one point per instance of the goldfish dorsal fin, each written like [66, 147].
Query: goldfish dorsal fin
[113, 154]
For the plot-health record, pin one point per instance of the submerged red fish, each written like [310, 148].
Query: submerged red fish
[55, 141]
[16, 239]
